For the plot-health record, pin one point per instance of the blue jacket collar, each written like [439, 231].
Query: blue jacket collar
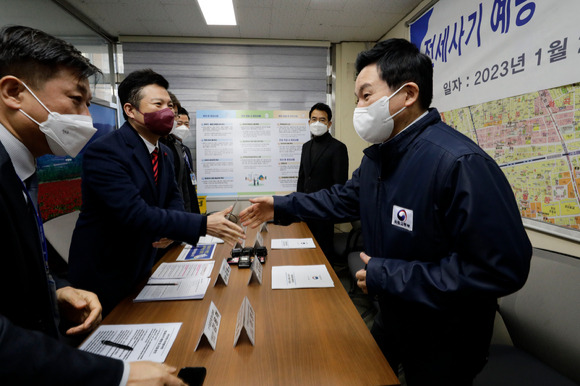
[399, 144]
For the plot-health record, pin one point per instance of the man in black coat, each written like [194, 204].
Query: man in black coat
[324, 163]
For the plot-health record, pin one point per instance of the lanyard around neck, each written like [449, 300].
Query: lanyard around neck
[38, 225]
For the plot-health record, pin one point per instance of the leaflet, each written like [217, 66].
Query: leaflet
[181, 270]
[293, 243]
[180, 289]
[301, 276]
[133, 342]
[199, 252]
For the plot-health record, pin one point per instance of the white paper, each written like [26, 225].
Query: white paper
[293, 243]
[301, 276]
[176, 289]
[150, 342]
[182, 270]
[209, 240]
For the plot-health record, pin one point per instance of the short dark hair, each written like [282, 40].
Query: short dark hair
[174, 100]
[130, 88]
[321, 107]
[398, 62]
[36, 56]
[182, 111]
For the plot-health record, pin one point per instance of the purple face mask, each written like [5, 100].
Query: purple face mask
[159, 122]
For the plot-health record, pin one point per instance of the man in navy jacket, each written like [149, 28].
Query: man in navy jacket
[44, 98]
[129, 205]
[442, 232]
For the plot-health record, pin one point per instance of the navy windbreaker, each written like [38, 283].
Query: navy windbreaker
[439, 219]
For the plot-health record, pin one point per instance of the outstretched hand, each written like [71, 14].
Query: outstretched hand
[261, 210]
[219, 226]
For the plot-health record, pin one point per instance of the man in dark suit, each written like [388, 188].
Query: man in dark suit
[324, 163]
[130, 198]
[39, 77]
[183, 160]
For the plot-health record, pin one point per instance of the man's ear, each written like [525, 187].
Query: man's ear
[412, 90]
[11, 90]
[128, 109]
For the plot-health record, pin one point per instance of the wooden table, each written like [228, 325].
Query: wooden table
[303, 336]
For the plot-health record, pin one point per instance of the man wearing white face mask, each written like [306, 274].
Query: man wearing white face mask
[44, 99]
[442, 233]
[182, 159]
[323, 163]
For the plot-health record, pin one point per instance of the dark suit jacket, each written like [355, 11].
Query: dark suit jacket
[183, 173]
[30, 350]
[327, 167]
[191, 188]
[123, 213]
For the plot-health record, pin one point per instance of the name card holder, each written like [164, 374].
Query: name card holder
[211, 327]
[224, 275]
[255, 271]
[246, 322]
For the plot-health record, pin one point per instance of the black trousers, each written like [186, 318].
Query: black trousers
[434, 347]
[323, 232]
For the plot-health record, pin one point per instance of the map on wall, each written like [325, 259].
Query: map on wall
[535, 139]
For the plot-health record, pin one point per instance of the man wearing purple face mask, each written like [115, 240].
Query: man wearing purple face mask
[130, 197]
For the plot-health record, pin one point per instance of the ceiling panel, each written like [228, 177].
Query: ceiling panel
[327, 20]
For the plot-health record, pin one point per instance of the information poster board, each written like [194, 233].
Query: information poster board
[249, 152]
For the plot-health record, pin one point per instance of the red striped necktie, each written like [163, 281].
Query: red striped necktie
[155, 163]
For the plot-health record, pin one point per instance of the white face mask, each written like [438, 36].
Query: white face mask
[180, 131]
[65, 133]
[318, 128]
[374, 123]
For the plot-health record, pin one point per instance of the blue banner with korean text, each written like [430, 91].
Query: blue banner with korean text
[491, 49]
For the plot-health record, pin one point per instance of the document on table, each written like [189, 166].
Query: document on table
[292, 243]
[182, 270]
[199, 252]
[301, 276]
[177, 281]
[133, 342]
[209, 240]
[176, 289]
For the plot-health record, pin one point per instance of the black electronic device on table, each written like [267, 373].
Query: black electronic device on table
[243, 256]
[245, 260]
[193, 376]
[261, 253]
[235, 253]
